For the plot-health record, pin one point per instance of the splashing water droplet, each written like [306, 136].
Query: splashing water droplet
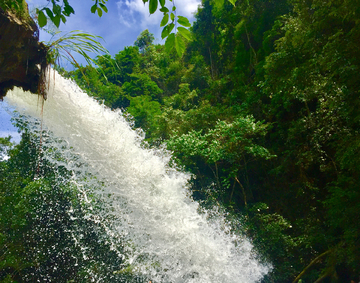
[170, 240]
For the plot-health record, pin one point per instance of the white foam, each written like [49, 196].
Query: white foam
[150, 201]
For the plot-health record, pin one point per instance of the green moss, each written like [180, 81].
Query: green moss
[18, 7]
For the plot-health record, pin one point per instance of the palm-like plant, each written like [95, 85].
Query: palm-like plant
[62, 44]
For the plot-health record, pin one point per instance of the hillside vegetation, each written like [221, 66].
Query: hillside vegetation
[263, 110]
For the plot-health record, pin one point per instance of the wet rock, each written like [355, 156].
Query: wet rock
[22, 56]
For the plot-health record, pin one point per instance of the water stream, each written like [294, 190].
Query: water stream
[170, 240]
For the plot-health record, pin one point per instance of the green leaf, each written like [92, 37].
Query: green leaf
[219, 3]
[165, 20]
[57, 9]
[93, 8]
[63, 19]
[170, 42]
[79, 42]
[49, 13]
[56, 20]
[171, 27]
[42, 19]
[164, 10]
[162, 3]
[165, 32]
[68, 10]
[183, 21]
[232, 2]
[172, 16]
[105, 9]
[185, 33]
[173, 8]
[99, 12]
[179, 45]
[153, 6]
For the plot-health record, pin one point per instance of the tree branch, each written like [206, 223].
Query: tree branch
[313, 262]
[243, 190]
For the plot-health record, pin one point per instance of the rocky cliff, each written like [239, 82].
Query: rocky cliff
[22, 57]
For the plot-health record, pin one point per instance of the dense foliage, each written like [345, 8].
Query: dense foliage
[263, 109]
[48, 232]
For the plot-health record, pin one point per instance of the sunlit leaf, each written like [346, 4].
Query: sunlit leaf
[171, 27]
[219, 3]
[183, 21]
[185, 33]
[165, 20]
[105, 9]
[165, 32]
[170, 42]
[172, 17]
[179, 45]
[99, 12]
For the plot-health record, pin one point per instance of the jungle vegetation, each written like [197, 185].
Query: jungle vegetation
[263, 109]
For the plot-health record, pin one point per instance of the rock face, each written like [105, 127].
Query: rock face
[22, 57]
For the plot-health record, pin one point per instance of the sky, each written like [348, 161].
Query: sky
[6, 127]
[123, 23]
[120, 27]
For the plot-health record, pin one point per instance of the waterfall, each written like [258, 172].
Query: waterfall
[171, 241]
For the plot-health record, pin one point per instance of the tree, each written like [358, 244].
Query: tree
[144, 40]
[226, 149]
[45, 235]
[280, 78]
[310, 84]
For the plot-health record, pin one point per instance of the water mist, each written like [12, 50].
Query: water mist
[169, 240]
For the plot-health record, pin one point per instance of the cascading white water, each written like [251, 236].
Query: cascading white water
[170, 240]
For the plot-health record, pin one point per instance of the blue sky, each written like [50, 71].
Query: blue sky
[6, 128]
[123, 23]
[120, 27]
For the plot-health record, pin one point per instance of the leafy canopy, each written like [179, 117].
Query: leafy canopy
[174, 26]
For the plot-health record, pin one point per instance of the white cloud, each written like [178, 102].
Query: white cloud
[187, 8]
[133, 13]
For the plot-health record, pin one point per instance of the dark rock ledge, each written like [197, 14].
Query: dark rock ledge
[22, 56]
